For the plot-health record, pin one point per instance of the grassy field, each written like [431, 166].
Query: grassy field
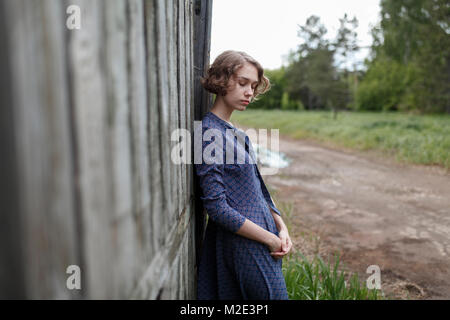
[408, 138]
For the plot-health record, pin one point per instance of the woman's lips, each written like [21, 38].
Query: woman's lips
[246, 102]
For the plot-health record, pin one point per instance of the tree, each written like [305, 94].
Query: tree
[272, 98]
[345, 46]
[312, 75]
[346, 43]
[413, 36]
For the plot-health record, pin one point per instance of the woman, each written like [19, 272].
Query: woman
[246, 237]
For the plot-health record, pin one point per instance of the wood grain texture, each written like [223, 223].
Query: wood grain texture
[90, 177]
[44, 218]
[137, 99]
[94, 175]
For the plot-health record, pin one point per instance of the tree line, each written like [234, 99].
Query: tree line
[408, 68]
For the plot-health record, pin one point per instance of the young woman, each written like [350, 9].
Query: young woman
[245, 237]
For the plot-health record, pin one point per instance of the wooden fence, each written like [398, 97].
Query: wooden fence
[85, 131]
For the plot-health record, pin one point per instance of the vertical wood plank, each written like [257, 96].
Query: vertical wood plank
[90, 125]
[11, 263]
[154, 147]
[119, 160]
[39, 112]
[189, 80]
[201, 99]
[137, 86]
[176, 125]
[172, 108]
[182, 89]
[192, 258]
[163, 110]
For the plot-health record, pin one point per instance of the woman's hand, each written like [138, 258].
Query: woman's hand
[286, 245]
[283, 234]
[274, 244]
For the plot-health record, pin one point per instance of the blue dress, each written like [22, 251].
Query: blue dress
[232, 266]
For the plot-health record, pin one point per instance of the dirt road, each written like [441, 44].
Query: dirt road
[375, 212]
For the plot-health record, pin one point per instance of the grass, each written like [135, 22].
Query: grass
[316, 280]
[407, 138]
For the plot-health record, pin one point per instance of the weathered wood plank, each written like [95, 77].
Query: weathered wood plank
[92, 112]
[172, 109]
[199, 102]
[192, 254]
[41, 137]
[154, 147]
[119, 162]
[90, 125]
[176, 123]
[201, 39]
[151, 284]
[12, 281]
[182, 87]
[188, 38]
[163, 112]
[137, 86]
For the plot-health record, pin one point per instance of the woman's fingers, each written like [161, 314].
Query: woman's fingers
[286, 245]
[286, 242]
[279, 254]
[283, 239]
[289, 244]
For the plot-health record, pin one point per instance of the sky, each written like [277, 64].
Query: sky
[267, 29]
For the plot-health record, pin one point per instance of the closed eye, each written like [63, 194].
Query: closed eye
[243, 84]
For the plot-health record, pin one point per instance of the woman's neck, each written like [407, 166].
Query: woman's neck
[221, 110]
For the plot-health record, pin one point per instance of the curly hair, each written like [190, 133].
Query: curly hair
[224, 67]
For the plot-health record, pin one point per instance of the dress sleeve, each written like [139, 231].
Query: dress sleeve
[211, 179]
[266, 193]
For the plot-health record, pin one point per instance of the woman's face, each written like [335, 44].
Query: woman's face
[241, 87]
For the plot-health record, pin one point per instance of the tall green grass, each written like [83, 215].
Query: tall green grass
[408, 138]
[317, 280]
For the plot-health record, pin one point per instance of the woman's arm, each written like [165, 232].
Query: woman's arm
[283, 233]
[253, 231]
[211, 180]
[278, 221]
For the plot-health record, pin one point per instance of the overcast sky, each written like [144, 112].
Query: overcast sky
[267, 29]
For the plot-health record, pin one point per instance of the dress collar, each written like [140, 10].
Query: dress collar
[223, 122]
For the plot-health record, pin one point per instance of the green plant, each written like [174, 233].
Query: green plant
[317, 280]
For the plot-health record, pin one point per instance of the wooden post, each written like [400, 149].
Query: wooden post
[202, 99]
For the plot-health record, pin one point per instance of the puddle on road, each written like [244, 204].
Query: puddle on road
[269, 158]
